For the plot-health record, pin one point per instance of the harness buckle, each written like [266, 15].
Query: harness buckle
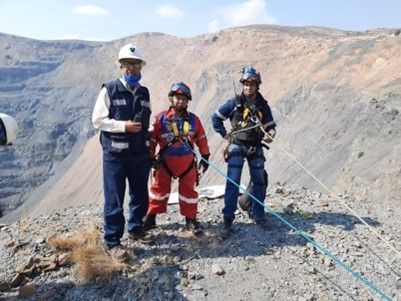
[254, 119]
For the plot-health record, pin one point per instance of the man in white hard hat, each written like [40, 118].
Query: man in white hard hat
[122, 113]
[8, 130]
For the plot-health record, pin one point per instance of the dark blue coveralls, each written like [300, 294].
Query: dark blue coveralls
[245, 144]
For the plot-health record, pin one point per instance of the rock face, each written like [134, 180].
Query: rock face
[50, 110]
[336, 97]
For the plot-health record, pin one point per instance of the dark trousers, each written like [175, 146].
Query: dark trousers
[115, 175]
[236, 158]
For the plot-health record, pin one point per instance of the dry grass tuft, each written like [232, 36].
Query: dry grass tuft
[63, 243]
[92, 263]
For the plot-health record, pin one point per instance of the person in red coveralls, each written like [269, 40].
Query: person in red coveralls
[176, 131]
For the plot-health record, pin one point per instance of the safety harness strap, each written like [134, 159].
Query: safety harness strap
[171, 174]
[162, 161]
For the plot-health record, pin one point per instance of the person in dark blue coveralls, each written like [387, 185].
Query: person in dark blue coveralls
[248, 114]
[122, 112]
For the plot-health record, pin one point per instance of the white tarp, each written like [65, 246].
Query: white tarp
[209, 192]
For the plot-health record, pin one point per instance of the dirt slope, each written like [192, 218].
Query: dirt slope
[336, 97]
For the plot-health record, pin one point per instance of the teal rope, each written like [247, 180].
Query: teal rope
[323, 250]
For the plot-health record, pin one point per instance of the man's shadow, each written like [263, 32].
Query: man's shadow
[249, 239]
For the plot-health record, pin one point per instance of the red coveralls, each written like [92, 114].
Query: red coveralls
[177, 160]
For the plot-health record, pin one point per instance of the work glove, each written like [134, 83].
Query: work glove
[268, 138]
[225, 150]
[204, 165]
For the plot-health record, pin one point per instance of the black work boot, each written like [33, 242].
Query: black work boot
[227, 228]
[262, 222]
[193, 225]
[149, 222]
[141, 236]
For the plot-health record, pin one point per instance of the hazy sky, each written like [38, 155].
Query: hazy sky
[108, 20]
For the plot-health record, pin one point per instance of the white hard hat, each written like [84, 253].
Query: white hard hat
[11, 128]
[130, 51]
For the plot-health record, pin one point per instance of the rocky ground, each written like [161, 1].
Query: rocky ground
[255, 263]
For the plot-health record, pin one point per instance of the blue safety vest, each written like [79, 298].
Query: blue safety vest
[125, 105]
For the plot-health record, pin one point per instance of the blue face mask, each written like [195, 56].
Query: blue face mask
[132, 79]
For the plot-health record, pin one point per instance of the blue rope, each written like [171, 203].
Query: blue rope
[322, 249]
